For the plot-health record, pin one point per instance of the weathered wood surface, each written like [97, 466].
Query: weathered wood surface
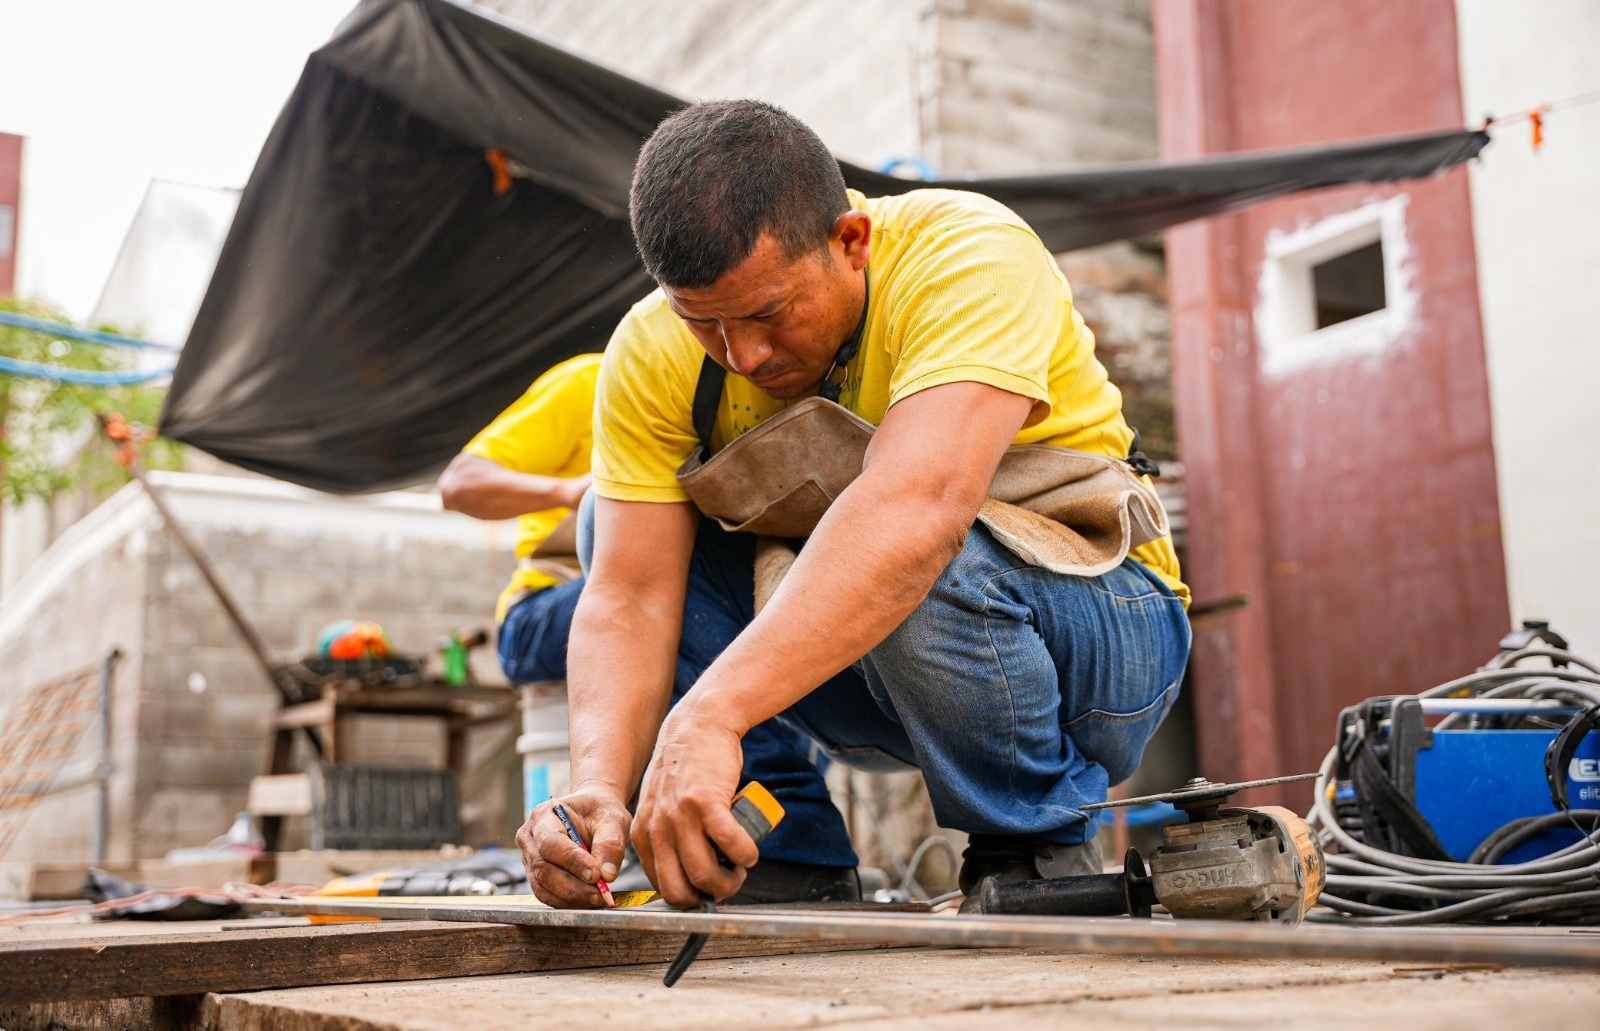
[185, 962]
[901, 990]
[945, 990]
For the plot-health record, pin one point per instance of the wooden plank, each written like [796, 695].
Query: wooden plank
[302, 867]
[282, 794]
[184, 963]
[173, 1013]
[318, 867]
[305, 714]
[41, 881]
[934, 990]
[238, 868]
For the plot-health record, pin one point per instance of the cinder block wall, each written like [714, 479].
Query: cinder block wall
[190, 707]
[971, 86]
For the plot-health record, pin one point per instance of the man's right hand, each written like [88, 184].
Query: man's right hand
[562, 874]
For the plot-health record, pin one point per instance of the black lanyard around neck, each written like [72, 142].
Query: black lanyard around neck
[831, 388]
[708, 390]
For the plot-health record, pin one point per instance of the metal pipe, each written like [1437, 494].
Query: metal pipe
[102, 770]
[1213, 938]
[1494, 705]
[246, 630]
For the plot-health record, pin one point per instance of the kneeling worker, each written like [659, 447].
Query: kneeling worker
[986, 589]
[532, 464]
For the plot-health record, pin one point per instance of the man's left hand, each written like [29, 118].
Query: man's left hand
[684, 806]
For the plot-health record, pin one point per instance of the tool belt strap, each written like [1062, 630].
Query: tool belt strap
[1067, 511]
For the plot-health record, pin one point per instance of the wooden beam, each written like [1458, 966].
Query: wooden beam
[280, 794]
[188, 962]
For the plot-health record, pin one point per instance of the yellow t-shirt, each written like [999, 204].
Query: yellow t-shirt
[548, 431]
[960, 290]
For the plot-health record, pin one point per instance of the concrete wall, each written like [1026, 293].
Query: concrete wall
[968, 85]
[190, 709]
[1536, 223]
[846, 67]
[1342, 479]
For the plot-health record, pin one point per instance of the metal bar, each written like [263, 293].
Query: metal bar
[102, 813]
[1504, 947]
[252, 640]
[1496, 705]
[246, 630]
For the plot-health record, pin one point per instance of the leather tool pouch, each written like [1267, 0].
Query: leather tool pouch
[778, 479]
[1067, 511]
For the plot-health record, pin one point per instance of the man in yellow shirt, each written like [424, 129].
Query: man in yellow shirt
[532, 464]
[906, 634]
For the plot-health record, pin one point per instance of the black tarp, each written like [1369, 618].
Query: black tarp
[377, 301]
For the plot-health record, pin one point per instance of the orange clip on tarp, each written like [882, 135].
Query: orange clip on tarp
[502, 175]
[122, 436]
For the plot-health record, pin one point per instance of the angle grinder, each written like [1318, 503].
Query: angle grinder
[1222, 864]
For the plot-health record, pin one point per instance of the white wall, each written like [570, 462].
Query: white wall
[1536, 222]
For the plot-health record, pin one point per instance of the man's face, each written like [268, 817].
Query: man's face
[778, 322]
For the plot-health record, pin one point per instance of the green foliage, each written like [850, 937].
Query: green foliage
[48, 436]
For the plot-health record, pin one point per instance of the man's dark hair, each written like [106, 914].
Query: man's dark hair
[713, 177]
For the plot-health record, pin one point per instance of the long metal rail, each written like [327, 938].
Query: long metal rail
[1540, 947]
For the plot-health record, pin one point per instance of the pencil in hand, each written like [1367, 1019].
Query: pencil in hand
[577, 839]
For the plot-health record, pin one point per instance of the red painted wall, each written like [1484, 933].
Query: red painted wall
[1354, 503]
[10, 194]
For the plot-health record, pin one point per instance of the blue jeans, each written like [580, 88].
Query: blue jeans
[533, 639]
[1021, 694]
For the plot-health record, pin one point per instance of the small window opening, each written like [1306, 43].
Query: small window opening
[1349, 286]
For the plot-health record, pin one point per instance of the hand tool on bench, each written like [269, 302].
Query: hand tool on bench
[757, 812]
[1222, 864]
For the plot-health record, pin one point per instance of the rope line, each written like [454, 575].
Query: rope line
[84, 377]
[88, 336]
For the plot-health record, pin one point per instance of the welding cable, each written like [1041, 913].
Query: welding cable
[1505, 839]
[930, 842]
[1563, 884]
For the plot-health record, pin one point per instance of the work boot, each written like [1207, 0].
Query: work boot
[1012, 859]
[773, 881]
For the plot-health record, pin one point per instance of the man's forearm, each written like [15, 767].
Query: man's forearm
[483, 489]
[873, 557]
[870, 562]
[620, 665]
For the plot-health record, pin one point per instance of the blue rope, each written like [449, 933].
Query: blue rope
[88, 377]
[91, 336]
[923, 169]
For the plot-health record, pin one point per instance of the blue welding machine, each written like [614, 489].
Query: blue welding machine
[1399, 781]
[1470, 783]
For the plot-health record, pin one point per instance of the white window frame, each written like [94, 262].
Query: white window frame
[1286, 309]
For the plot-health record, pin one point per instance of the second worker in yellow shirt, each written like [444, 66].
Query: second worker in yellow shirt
[532, 464]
